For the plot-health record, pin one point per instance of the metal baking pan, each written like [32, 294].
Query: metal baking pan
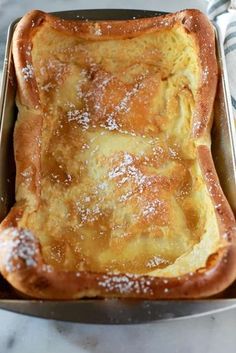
[117, 311]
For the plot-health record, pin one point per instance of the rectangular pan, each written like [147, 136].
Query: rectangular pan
[116, 311]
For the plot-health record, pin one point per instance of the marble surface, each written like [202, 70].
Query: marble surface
[215, 333]
[18, 333]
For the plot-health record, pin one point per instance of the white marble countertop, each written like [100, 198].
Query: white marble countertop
[18, 333]
[210, 334]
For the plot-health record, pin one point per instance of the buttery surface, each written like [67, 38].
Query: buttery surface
[121, 188]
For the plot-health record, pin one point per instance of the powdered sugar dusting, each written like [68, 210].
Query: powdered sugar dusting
[48, 86]
[17, 246]
[156, 261]
[52, 74]
[47, 268]
[152, 208]
[205, 74]
[87, 214]
[97, 30]
[197, 125]
[111, 124]
[213, 187]
[27, 71]
[125, 284]
[128, 171]
[122, 107]
[27, 174]
[103, 185]
[82, 118]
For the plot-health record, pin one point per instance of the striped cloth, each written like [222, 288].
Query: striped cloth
[224, 13]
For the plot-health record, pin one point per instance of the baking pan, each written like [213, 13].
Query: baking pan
[117, 311]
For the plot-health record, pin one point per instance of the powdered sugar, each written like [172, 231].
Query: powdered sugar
[205, 74]
[126, 196]
[111, 124]
[151, 208]
[173, 153]
[156, 261]
[27, 174]
[47, 268]
[48, 86]
[103, 185]
[97, 30]
[54, 70]
[17, 246]
[125, 284]
[122, 107]
[82, 118]
[28, 71]
[197, 125]
[86, 213]
[28, 50]
[127, 170]
[213, 188]
[122, 168]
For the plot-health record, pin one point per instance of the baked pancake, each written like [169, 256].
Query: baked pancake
[116, 191]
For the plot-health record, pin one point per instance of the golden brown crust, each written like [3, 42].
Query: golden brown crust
[21, 264]
[21, 260]
[205, 38]
[193, 21]
[224, 213]
[28, 129]
[21, 48]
